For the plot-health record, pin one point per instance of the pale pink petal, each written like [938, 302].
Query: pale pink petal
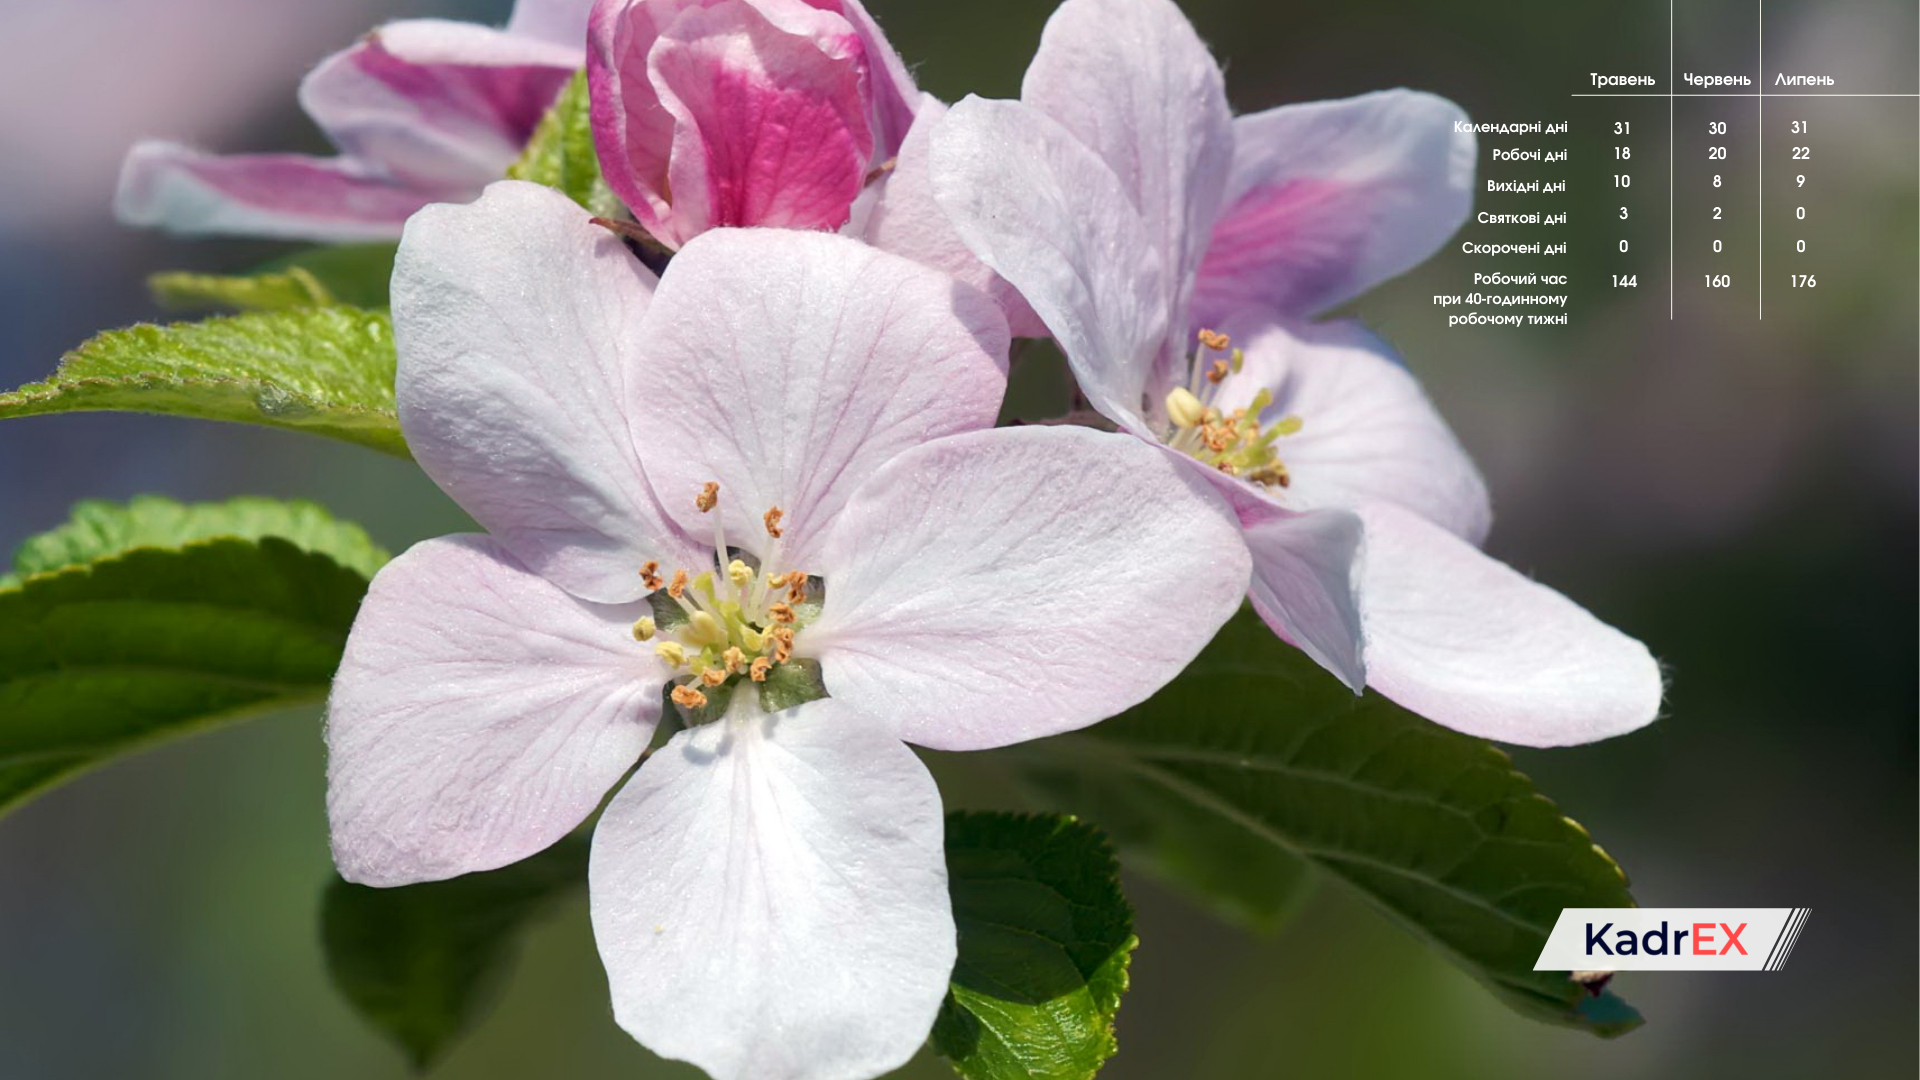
[1010, 584]
[435, 101]
[770, 898]
[1305, 575]
[632, 131]
[788, 366]
[906, 220]
[894, 97]
[1045, 213]
[519, 328]
[286, 196]
[561, 22]
[1368, 431]
[1131, 79]
[770, 125]
[1468, 642]
[478, 716]
[1331, 198]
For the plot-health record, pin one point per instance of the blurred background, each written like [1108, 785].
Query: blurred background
[1739, 494]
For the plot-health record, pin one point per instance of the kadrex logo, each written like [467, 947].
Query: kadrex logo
[1672, 939]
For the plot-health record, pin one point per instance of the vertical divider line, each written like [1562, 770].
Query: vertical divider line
[1670, 98]
[1760, 201]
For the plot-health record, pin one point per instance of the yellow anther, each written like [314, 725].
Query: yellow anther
[1215, 340]
[1288, 425]
[739, 573]
[644, 629]
[735, 660]
[772, 521]
[761, 665]
[688, 698]
[650, 574]
[712, 676]
[678, 588]
[753, 639]
[674, 653]
[704, 631]
[1238, 361]
[1184, 409]
[708, 498]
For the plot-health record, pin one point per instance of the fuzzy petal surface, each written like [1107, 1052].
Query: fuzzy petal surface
[1011, 584]
[519, 329]
[1047, 214]
[1133, 81]
[479, 715]
[770, 898]
[789, 366]
[1470, 643]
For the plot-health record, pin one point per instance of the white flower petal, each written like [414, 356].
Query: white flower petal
[1045, 213]
[770, 897]
[1368, 431]
[1131, 80]
[478, 716]
[1011, 584]
[1468, 642]
[788, 366]
[518, 325]
[1304, 579]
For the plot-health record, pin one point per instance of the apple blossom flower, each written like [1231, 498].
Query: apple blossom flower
[777, 455]
[710, 113]
[422, 111]
[1170, 249]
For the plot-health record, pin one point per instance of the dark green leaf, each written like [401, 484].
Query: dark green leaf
[561, 153]
[323, 370]
[1438, 829]
[140, 643]
[354, 275]
[1045, 938]
[420, 962]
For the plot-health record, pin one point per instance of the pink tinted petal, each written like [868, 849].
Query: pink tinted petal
[479, 714]
[1011, 584]
[632, 131]
[906, 220]
[1131, 79]
[770, 127]
[1045, 213]
[788, 366]
[518, 325]
[1468, 642]
[438, 102]
[1331, 198]
[770, 898]
[278, 195]
[561, 22]
[894, 97]
[1369, 433]
[1304, 578]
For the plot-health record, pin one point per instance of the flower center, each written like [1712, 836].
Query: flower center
[737, 621]
[1233, 442]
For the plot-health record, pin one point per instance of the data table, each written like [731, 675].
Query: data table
[1713, 172]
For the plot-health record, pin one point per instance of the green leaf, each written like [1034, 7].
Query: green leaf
[1220, 864]
[99, 530]
[561, 155]
[324, 370]
[1045, 938]
[1436, 828]
[353, 274]
[110, 643]
[421, 962]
